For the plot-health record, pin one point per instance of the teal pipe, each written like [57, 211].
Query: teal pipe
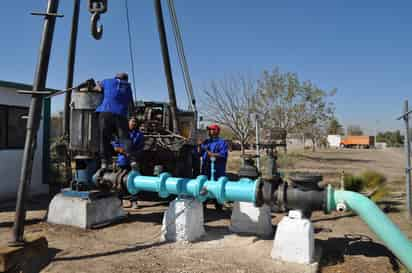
[200, 188]
[377, 221]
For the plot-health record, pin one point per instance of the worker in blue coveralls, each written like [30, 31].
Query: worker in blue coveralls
[135, 156]
[214, 148]
[113, 113]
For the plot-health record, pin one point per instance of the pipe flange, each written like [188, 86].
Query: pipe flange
[179, 185]
[200, 182]
[163, 193]
[329, 199]
[131, 188]
[221, 189]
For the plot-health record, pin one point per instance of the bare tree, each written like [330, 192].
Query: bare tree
[229, 102]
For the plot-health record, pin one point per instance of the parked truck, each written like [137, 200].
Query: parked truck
[365, 142]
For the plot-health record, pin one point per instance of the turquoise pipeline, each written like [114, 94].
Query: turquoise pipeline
[306, 196]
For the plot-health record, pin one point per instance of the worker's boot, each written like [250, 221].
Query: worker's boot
[218, 206]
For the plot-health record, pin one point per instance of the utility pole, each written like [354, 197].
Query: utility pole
[33, 122]
[408, 160]
[407, 146]
[70, 69]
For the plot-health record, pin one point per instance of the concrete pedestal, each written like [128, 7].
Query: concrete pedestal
[183, 221]
[294, 241]
[84, 213]
[248, 219]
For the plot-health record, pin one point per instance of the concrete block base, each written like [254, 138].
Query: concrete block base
[28, 258]
[183, 221]
[292, 267]
[248, 219]
[294, 240]
[84, 213]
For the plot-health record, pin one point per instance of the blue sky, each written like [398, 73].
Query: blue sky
[362, 48]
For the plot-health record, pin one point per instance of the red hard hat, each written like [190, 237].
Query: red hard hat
[213, 127]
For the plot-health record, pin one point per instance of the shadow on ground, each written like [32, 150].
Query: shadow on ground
[390, 206]
[40, 202]
[332, 218]
[35, 264]
[335, 249]
[211, 214]
[151, 217]
[131, 248]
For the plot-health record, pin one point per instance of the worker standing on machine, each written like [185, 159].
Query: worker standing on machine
[216, 149]
[113, 112]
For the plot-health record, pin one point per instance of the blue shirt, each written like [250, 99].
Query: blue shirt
[218, 146]
[117, 97]
[137, 139]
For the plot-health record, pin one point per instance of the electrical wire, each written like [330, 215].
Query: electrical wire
[130, 48]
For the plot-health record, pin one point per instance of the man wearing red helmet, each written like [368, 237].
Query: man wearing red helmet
[215, 147]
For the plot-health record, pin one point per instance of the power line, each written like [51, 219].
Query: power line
[130, 48]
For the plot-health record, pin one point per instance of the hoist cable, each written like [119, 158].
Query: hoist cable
[130, 48]
[182, 57]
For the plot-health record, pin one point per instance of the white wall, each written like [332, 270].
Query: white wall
[10, 160]
[334, 141]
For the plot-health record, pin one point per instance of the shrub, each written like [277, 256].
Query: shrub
[353, 183]
[369, 181]
[373, 179]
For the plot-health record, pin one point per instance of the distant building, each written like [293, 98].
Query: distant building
[381, 145]
[334, 141]
[13, 118]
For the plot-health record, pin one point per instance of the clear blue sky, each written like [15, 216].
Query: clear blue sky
[363, 48]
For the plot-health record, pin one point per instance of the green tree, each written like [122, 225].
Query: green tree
[286, 103]
[391, 138]
[278, 100]
[335, 128]
[317, 113]
[354, 130]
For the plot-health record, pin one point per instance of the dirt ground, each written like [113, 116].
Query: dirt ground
[133, 244]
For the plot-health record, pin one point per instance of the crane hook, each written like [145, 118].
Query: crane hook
[97, 31]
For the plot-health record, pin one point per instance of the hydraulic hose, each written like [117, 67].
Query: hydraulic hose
[377, 221]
